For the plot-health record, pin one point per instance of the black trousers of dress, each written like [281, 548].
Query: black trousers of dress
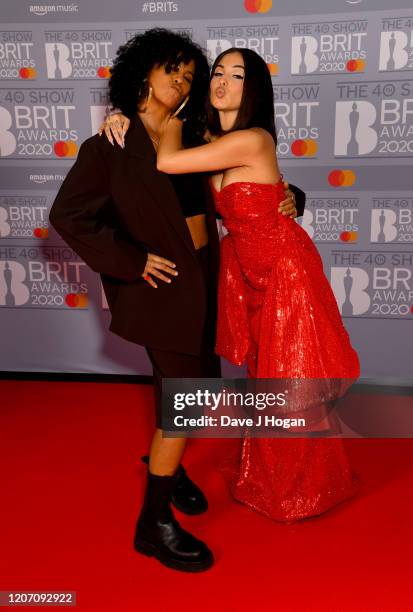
[168, 364]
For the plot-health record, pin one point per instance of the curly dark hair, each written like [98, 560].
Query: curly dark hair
[158, 47]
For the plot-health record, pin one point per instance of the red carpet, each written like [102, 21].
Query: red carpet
[71, 485]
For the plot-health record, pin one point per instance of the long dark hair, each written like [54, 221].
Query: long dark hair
[257, 102]
[128, 85]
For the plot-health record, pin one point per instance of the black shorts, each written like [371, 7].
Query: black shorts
[169, 364]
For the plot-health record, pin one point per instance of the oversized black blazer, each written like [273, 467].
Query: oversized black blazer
[112, 209]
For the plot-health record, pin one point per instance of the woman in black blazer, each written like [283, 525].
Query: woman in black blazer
[154, 241]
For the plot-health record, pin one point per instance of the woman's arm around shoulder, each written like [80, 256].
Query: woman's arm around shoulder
[235, 149]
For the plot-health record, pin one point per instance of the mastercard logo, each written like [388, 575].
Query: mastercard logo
[41, 232]
[65, 148]
[273, 68]
[77, 300]
[257, 6]
[27, 73]
[304, 148]
[348, 236]
[104, 72]
[356, 65]
[342, 178]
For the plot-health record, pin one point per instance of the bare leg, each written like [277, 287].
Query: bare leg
[165, 454]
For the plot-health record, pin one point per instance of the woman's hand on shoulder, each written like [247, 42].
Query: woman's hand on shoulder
[115, 127]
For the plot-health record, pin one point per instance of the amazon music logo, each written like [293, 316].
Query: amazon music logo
[41, 10]
[42, 179]
[329, 47]
[373, 284]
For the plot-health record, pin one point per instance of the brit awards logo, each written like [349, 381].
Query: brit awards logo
[24, 217]
[332, 220]
[13, 288]
[392, 220]
[16, 55]
[374, 119]
[373, 284]
[47, 277]
[396, 44]
[78, 54]
[264, 39]
[330, 47]
[38, 123]
[298, 119]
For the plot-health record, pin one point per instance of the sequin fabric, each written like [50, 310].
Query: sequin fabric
[277, 313]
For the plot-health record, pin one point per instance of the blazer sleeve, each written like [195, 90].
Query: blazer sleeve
[299, 199]
[84, 215]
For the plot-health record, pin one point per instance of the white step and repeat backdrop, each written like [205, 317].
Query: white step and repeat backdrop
[342, 73]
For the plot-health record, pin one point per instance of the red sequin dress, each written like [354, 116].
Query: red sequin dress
[277, 313]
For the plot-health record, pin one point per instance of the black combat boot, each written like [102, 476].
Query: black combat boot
[158, 533]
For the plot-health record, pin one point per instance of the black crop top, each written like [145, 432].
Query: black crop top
[190, 191]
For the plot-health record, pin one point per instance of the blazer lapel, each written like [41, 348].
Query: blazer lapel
[138, 145]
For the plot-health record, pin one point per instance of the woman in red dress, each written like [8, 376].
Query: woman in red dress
[276, 310]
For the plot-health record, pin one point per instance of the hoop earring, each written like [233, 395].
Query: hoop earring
[148, 99]
[178, 110]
